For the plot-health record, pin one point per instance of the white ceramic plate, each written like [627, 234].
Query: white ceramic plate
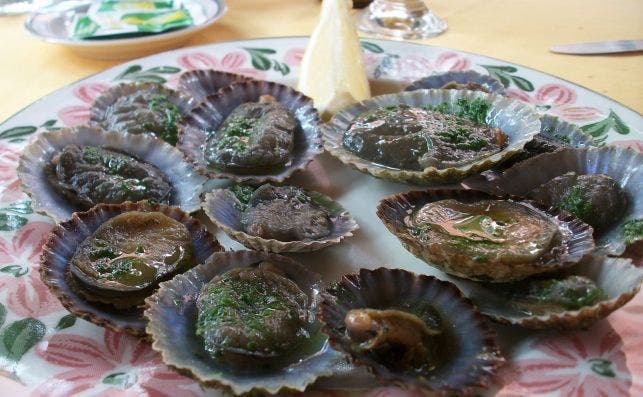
[54, 24]
[54, 354]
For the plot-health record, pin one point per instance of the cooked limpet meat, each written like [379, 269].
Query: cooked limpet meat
[254, 135]
[284, 213]
[252, 311]
[597, 199]
[278, 218]
[131, 252]
[414, 138]
[141, 108]
[541, 296]
[485, 231]
[88, 175]
[475, 235]
[402, 337]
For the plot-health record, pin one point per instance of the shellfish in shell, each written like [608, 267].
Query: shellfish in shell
[477, 236]
[103, 263]
[279, 219]
[410, 329]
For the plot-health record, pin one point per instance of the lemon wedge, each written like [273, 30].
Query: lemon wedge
[332, 71]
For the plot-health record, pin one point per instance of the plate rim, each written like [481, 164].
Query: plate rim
[279, 38]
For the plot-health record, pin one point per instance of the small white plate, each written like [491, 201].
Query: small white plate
[54, 24]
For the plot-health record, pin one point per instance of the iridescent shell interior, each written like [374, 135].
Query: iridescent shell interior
[195, 128]
[186, 183]
[576, 238]
[172, 315]
[64, 240]
[471, 356]
[518, 121]
[490, 84]
[224, 209]
[618, 278]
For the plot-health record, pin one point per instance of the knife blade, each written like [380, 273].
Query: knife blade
[599, 47]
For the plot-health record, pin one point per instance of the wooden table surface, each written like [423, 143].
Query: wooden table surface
[519, 31]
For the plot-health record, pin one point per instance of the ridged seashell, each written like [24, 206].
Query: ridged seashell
[200, 83]
[196, 126]
[471, 355]
[125, 120]
[172, 315]
[491, 84]
[518, 121]
[63, 242]
[618, 278]
[186, 184]
[623, 165]
[224, 210]
[576, 239]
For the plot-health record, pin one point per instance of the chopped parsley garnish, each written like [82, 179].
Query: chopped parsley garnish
[462, 139]
[632, 230]
[91, 155]
[242, 192]
[172, 114]
[475, 110]
[575, 202]
[234, 132]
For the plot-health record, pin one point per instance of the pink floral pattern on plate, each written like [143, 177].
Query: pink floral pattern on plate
[121, 365]
[559, 100]
[232, 62]
[26, 295]
[9, 182]
[79, 114]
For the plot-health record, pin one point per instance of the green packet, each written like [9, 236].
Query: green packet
[126, 18]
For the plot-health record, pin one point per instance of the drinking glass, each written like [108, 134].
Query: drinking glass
[400, 19]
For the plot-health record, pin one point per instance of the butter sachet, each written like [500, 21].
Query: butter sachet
[124, 18]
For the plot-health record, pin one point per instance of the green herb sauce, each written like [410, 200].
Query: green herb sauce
[91, 155]
[475, 110]
[235, 134]
[576, 202]
[171, 113]
[632, 230]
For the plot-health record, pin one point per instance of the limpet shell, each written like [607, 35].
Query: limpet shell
[186, 184]
[200, 83]
[194, 128]
[172, 318]
[98, 115]
[624, 165]
[64, 240]
[577, 237]
[519, 121]
[477, 356]
[491, 84]
[618, 278]
[222, 207]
